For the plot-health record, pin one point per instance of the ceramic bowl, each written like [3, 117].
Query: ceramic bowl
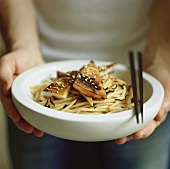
[82, 127]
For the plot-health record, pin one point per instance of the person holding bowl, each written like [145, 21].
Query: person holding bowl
[93, 30]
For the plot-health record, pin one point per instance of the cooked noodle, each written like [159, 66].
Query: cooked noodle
[119, 98]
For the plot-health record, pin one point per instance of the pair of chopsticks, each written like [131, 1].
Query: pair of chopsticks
[137, 89]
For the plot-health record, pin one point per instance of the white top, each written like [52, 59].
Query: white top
[93, 29]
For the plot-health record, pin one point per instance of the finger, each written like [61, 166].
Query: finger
[143, 133]
[146, 131]
[24, 126]
[161, 116]
[9, 108]
[38, 133]
[123, 140]
[7, 72]
[163, 76]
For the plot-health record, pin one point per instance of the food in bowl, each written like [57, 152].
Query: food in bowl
[83, 127]
[89, 90]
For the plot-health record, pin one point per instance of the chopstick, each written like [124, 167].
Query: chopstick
[140, 82]
[134, 84]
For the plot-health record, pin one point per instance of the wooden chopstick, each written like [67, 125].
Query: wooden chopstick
[140, 83]
[134, 84]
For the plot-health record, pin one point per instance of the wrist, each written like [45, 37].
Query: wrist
[157, 57]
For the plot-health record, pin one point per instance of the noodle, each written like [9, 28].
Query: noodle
[119, 97]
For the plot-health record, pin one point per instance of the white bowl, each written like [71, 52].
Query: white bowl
[82, 127]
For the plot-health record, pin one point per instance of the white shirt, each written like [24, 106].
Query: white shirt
[93, 29]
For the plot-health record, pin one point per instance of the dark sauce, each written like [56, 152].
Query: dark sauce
[90, 81]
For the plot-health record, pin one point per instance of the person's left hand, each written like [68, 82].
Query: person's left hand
[159, 71]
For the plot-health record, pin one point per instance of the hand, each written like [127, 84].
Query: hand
[161, 72]
[11, 65]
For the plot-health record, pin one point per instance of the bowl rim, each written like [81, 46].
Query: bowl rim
[18, 86]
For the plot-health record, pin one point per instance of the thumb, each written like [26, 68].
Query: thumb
[164, 77]
[165, 108]
[7, 74]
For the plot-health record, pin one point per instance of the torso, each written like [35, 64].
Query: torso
[94, 29]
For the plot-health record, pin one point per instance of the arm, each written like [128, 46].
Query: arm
[157, 53]
[18, 27]
[157, 62]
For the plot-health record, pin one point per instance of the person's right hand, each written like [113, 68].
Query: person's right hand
[11, 65]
